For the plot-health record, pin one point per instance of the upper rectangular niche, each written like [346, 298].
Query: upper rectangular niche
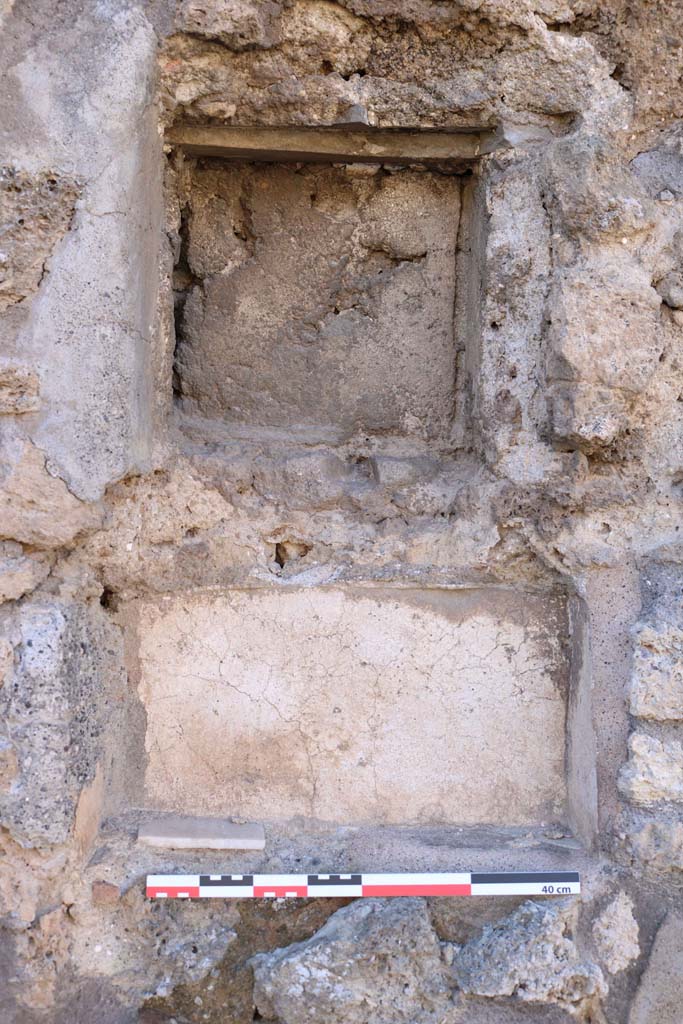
[356, 705]
[318, 299]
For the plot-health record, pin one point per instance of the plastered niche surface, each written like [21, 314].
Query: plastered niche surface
[356, 705]
[318, 298]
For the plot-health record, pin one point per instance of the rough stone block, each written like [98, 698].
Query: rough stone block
[659, 844]
[37, 508]
[356, 705]
[657, 681]
[183, 833]
[531, 955]
[589, 417]
[237, 24]
[374, 962]
[616, 934]
[54, 706]
[597, 347]
[20, 573]
[320, 299]
[654, 771]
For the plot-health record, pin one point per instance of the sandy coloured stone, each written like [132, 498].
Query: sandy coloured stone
[616, 934]
[20, 573]
[35, 507]
[659, 845]
[19, 389]
[654, 770]
[657, 681]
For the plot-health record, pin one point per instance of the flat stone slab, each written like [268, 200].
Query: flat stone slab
[180, 833]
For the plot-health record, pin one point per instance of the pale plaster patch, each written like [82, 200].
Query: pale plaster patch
[355, 705]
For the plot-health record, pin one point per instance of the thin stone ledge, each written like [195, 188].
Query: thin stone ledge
[185, 833]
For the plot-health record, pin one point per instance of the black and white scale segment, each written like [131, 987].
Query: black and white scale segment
[516, 883]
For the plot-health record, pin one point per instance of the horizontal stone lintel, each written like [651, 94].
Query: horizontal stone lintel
[332, 144]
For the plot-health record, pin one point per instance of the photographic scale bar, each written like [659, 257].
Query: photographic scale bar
[534, 883]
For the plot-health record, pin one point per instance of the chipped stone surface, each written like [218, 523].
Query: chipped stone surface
[374, 962]
[262, 703]
[657, 686]
[616, 934]
[19, 572]
[653, 771]
[35, 212]
[531, 955]
[35, 507]
[238, 24]
[56, 701]
[659, 844]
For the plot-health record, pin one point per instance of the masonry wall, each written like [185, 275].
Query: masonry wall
[342, 494]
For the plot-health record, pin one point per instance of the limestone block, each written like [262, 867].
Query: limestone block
[595, 197]
[326, 299]
[334, 56]
[657, 681]
[658, 999]
[591, 340]
[35, 507]
[237, 24]
[590, 417]
[616, 934]
[659, 844]
[184, 833]
[373, 962]
[654, 771]
[355, 704]
[530, 955]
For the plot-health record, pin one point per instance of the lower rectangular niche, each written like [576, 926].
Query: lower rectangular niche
[356, 705]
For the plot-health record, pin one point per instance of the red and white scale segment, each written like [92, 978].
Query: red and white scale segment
[534, 883]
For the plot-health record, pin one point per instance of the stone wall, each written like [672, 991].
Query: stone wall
[340, 488]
